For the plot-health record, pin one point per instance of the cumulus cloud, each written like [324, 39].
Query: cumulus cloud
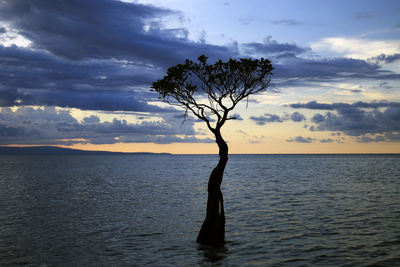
[297, 117]
[27, 125]
[365, 121]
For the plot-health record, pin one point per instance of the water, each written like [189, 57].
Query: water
[136, 210]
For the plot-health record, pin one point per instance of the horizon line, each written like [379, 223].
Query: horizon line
[216, 154]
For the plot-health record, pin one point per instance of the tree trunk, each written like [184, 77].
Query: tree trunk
[212, 231]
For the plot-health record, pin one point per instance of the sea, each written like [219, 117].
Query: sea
[146, 210]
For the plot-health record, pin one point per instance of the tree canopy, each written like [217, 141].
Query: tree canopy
[213, 90]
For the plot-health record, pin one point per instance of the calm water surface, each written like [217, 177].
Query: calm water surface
[135, 210]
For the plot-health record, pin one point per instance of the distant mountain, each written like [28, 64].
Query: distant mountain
[54, 150]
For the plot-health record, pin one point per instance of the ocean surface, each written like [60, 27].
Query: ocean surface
[146, 210]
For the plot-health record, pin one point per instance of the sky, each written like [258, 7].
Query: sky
[78, 74]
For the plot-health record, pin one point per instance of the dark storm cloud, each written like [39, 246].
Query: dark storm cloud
[39, 78]
[103, 29]
[26, 125]
[85, 47]
[96, 55]
[366, 121]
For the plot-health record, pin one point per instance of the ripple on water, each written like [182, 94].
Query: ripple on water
[282, 210]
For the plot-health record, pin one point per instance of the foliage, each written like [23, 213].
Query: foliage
[224, 84]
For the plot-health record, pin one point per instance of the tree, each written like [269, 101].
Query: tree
[211, 92]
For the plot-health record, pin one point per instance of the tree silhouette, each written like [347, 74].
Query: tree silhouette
[211, 92]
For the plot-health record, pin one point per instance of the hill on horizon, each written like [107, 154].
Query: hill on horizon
[55, 150]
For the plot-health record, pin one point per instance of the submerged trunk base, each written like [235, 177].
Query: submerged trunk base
[212, 231]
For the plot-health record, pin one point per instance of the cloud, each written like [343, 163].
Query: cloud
[362, 15]
[270, 118]
[357, 48]
[286, 22]
[300, 139]
[368, 139]
[29, 126]
[384, 85]
[299, 64]
[382, 58]
[256, 139]
[103, 55]
[397, 26]
[297, 117]
[328, 140]
[252, 139]
[267, 118]
[271, 47]
[342, 106]
[38, 78]
[167, 139]
[292, 67]
[91, 55]
[237, 117]
[317, 118]
[103, 29]
[366, 121]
